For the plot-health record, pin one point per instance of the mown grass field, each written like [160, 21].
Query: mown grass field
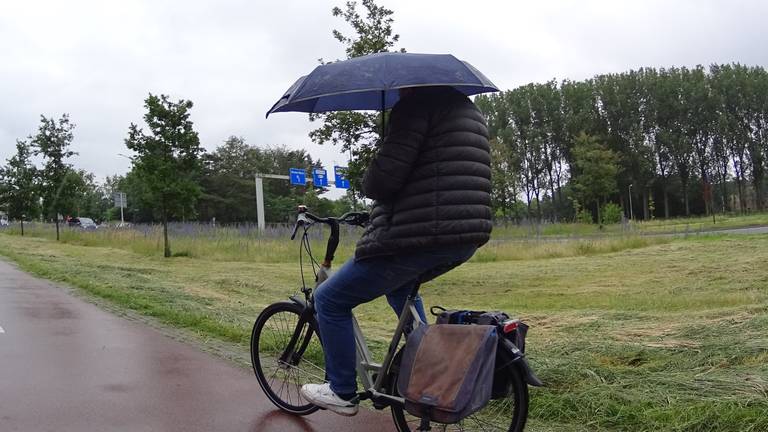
[629, 333]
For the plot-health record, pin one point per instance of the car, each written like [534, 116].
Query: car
[3, 222]
[84, 223]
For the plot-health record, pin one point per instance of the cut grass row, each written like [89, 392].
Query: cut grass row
[669, 336]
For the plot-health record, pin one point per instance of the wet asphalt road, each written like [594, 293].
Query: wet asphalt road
[66, 365]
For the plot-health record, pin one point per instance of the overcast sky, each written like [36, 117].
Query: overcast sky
[98, 60]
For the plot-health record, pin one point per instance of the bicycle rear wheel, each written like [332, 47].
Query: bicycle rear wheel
[286, 353]
[500, 415]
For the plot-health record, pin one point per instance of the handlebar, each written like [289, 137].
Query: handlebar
[351, 218]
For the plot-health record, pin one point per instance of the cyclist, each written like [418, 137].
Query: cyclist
[430, 182]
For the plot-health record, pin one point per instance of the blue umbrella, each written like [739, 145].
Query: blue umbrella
[371, 82]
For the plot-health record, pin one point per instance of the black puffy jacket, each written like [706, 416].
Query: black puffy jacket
[431, 177]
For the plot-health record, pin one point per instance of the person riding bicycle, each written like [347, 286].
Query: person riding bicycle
[430, 182]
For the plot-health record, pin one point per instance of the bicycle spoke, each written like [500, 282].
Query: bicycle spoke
[283, 379]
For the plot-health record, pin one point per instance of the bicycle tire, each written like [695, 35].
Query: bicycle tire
[282, 380]
[501, 415]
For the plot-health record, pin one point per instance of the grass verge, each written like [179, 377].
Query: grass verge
[668, 336]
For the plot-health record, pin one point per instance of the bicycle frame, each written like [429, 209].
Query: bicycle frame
[373, 375]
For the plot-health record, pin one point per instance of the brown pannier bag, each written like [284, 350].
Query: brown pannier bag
[446, 373]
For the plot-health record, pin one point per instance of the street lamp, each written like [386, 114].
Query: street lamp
[631, 212]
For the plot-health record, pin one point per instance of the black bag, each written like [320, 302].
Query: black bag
[446, 373]
[514, 330]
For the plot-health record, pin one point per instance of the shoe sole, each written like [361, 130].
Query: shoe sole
[348, 412]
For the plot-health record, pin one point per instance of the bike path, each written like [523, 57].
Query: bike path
[66, 365]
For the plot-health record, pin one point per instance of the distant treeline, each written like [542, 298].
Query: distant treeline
[685, 140]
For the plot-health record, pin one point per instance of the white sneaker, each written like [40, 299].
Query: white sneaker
[322, 396]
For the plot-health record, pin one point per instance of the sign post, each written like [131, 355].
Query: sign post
[260, 202]
[120, 202]
[259, 180]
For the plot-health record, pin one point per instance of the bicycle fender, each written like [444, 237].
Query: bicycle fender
[299, 301]
[518, 360]
[528, 375]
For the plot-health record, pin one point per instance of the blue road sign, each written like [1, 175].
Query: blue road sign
[298, 176]
[341, 177]
[319, 177]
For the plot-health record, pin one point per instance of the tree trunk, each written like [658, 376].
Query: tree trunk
[538, 208]
[739, 171]
[167, 245]
[666, 202]
[725, 191]
[684, 181]
[706, 196]
[599, 215]
[741, 194]
[646, 215]
[758, 185]
[22, 226]
[57, 227]
[554, 203]
[624, 206]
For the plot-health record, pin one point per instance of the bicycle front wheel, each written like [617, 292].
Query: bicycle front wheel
[286, 353]
[500, 415]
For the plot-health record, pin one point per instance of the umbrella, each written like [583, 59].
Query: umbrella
[371, 82]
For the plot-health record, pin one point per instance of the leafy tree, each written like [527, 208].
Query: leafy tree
[504, 179]
[17, 185]
[611, 214]
[358, 133]
[597, 168]
[699, 122]
[91, 198]
[52, 142]
[167, 162]
[621, 103]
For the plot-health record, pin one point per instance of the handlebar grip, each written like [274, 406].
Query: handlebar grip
[333, 243]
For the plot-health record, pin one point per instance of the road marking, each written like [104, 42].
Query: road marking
[1, 329]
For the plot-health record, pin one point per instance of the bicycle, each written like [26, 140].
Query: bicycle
[286, 351]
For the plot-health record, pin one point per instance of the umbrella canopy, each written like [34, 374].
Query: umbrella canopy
[371, 82]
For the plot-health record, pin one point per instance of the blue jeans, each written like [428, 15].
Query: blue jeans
[358, 282]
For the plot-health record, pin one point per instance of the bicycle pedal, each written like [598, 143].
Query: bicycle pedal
[380, 406]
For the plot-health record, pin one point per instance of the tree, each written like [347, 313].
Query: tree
[167, 161]
[597, 169]
[17, 185]
[52, 142]
[699, 122]
[358, 133]
[91, 199]
[504, 179]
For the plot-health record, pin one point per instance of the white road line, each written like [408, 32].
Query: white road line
[1, 329]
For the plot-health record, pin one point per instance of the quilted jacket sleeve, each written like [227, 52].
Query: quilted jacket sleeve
[395, 158]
